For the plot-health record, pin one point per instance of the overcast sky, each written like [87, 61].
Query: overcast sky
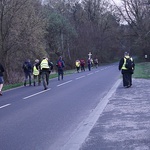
[116, 1]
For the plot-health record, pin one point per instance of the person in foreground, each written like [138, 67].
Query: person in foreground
[1, 78]
[46, 67]
[127, 66]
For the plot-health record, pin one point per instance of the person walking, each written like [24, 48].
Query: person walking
[1, 78]
[96, 62]
[27, 67]
[60, 67]
[36, 73]
[89, 64]
[127, 66]
[46, 66]
[82, 64]
[77, 65]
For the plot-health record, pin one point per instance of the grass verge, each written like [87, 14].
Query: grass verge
[142, 70]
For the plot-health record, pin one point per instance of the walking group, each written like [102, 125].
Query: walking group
[80, 64]
[41, 70]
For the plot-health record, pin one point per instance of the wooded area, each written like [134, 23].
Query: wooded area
[31, 29]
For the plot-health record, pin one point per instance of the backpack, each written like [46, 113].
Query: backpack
[129, 63]
[59, 64]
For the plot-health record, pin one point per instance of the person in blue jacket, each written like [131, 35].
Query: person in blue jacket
[27, 67]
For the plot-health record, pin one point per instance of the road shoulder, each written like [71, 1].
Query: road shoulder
[125, 123]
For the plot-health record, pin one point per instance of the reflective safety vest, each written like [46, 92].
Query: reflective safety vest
[35, 71]
[123, 66]
[77, 64]
[44, 64]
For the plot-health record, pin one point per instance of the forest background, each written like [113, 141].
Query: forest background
[31, 29]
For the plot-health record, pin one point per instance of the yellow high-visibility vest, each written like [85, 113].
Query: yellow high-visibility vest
[35, 71]
[44, 64]
[123, 66]
[77, 63]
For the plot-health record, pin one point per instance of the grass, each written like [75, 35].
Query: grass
[142, 70]
[11, 86]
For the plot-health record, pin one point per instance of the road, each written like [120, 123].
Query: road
[34, 119]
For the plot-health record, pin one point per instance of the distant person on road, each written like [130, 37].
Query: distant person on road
[27, 67]
[89, 63]
[82, 64]
[96, 62]
[46, 67]
[1, 78]
[126, 65]
[60, 67]
[77, 63]
[36, 73]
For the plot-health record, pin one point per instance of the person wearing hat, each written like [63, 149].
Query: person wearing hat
[45, 66]
[126, 65]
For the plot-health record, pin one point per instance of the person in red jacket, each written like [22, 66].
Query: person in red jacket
[1, 78]
[60, 67]
[82, 64]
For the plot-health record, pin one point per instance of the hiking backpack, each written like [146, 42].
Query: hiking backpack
[129, 63]
[59, 64]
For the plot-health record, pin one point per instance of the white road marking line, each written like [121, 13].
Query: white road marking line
[80, 77]
[96, 71]
[64, 83]
[36, 94]
[5, 106]
[89, 74]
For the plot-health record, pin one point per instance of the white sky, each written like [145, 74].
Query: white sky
[116, 1]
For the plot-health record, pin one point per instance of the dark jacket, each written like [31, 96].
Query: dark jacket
[1, 70]
[121, 62]
[27, 67]
[60, 64]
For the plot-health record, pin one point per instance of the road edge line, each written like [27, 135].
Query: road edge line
[82, 131]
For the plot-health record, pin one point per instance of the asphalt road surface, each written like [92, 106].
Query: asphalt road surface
[34, 119]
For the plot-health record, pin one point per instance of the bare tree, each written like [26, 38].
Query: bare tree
[137, 14]
[21, 34]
